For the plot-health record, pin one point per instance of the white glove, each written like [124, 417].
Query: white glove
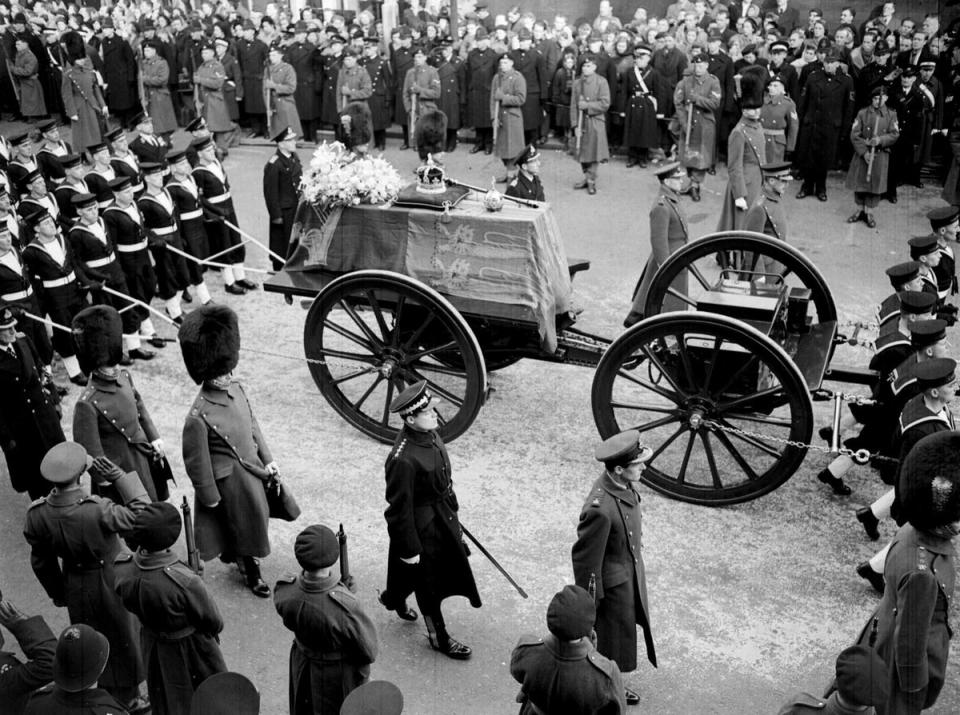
[273, 468]
[412, 560]
[741, 203]
[157, 445]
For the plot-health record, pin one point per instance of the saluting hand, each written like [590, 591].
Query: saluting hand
[10, 614]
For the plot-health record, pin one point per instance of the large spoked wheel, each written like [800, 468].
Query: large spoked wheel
[742, 256]
[373, 333]
[723, 407]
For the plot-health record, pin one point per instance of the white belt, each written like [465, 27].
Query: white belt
[187, 215]
[131, 247]
[219, 199]
[17, 296]
[166, 230]
[101, 262]
[56, 283]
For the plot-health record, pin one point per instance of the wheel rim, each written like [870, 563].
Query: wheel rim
[715, 399]
[694, 269]
[370, 334]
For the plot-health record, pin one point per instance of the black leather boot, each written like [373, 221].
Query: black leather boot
[250, 568]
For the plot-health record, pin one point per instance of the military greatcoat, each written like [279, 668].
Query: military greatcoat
[334, 642]
[881, 123]
[826, 110]
[283, 108]
[180, 624]
[120, 74]
[301, 57]
[252, 56]
[211, 77]
[73, 541]
[18, 680]
[381, 97]
[155, 76]
[593, 142]
[507, 113]
[780, 123]
[704, 93]
[531, 66]
[82, 99]
[608, 548]
[225, 454]
[451, 92]
[638, 103]
[746, 152]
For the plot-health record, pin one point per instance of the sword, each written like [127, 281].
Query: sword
[492, 560]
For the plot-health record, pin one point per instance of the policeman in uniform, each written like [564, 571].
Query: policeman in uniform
[73, 540]
[562, 671]
[18, 679]
[180, 621]
[779, 120]
[607, 553]
[160, 222]
[873, 132]
[29, 413]
[944, 223]
[334, 640]
[381, 83]
[526, 184]
[281, 192]
[638, 107]
[529, 62]
[786, 73]
[669, 232]
[427, 555]
[911, 103]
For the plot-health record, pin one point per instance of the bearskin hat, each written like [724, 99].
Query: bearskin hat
[357, 131]
[74, 45]
[98, 336]
[210, 342]
[431, 132]
[752, 81]
[930, 481]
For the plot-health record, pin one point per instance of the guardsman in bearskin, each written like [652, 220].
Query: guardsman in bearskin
[52, 150]
[944, 223]
[281, 192]
[37, 198]
[20, 679]
[354, 130]
[563, 671]
[100, 175]
[746, 152]
[669, 232]
[530, 63]
[873, 132]
[71, 185]
[22, 163]
[124, 161]
[186, 195]
[93, 247]
[696, 99]
[16, 292]
[59, 288]
[160, 222]
[430, 135]
[217, 203]
[29, 412]
[913, 629]
[780, 122]
[381, 97]
[224, 451]
[526, 184]
[607, 553]
[427, 555]
[148, 147]
[638, 107]
[334, 639]
[110, 419]
[73, 537]
[180, 621]
[124, 224]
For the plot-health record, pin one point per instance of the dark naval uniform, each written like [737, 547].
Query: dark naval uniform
[129, 166]
[98, 180]
[125, 231]
[110, 420]
[19, 680]
[281, 192]
[892, 348]
[64, 194]
[946, 273]
[29, 422]
[913, 635]
[557, 676]
[48, 161]
[637, 104]
[59, 290]
[608, 548]
[479, 70]
[916, 422]
[16, 290]
[186, 197]
[180, 624]
[217, 203]
[526, 186]
[73, 540]
[160, 222]
[334, 642]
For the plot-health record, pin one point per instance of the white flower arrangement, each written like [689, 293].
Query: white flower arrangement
[338, 177]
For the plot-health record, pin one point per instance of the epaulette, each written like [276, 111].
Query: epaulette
[528, 639]
[90, 498]
[343, 596]
[921, 558]
[604, 665]
[123, 558]
[179, 573]
[806, 700]
[289, 578]
[398, 450]
[37, 502]
[272, 159]
[514, 182]
[597, 497]
[87, 391]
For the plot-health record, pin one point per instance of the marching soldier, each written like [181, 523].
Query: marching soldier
[589, 103]
[159, 214]
[669, 232]
[608, 547]
[52, 150]
[874, 131]
[334, 640]
[780, 122]
[100, 175]
[281, 192]
[93, 247]
[217, 203]
[638, 97]
[381, 97]
[180, 621]
[479, 70]
[563, 671]
[746, 153]
[71, 185]
[427, 555]
[29, 412]
[210, 78]
[124, 161]
[148, 147]
[696, 98]
[158, 105]
[526, 184]
[530, 64]
[73, 543]
[280, 83]
[186, 196]
[16, 292]
[507, 95]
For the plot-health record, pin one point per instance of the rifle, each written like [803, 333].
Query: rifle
[267, 96]
[193, 556]
[13, 80]
[686, 142]
[496, 121]
[579, 131]
[413, 120]
[873, 149]
[344, 559]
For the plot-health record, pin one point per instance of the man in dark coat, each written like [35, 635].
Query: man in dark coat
[826, 111]
[332, 60]
[334, 640]
[452, 97]
[427, 555]
[180, 621]
[526, 184]
[381, 82]
[530, 63]
[481, 66]
[562, 671]
[402, 61]
[911, 103]
[73, 540]
[19, 679]
[29, 418]
[300, 54]
[281, 192]
[252, 55]
[607, 552]
[721, 66]
[638, 107]
[119, 72]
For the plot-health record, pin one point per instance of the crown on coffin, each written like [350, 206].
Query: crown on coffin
[431, 178]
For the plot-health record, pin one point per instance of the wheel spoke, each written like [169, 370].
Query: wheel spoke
[685, 359]
[650, 386]
[385, 417]
[659, 422]
[443, 392]
[442, 369]
[344, 355]
[353, 375]
[343, 332]
[747, 364]
[643, 407]
[418, 332]
[666, 443]
[378, 314]
[699, 276]
[755, 442]
[398, 311]
[364, 328]
[762, 419]
[711, 461]
[663, 371]
[735, 453]
[681, 296]
[682, 475]
[363, 398]
[747, 399]
[452, 345]
[717, 342]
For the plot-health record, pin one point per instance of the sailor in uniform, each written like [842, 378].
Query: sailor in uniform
[160, 221]
[52, 150]
[944, 223]
[71, 185]
[186, 196]
[903, 277]
[100, 175]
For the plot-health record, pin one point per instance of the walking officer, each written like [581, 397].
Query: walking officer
[766, 214]
[607, 553]
[281, 192]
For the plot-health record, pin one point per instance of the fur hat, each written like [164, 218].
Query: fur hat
[930, 481]
[358, 130]
[74, 45]
[98, 335]
[431, 131]
[210, 342]
[752, 81]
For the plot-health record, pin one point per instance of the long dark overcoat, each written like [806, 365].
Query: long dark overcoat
[481, 66]
[826, 109]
